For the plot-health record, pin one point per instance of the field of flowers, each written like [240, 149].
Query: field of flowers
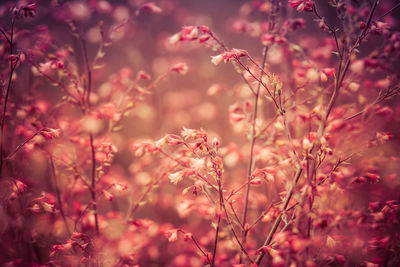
[200, 133]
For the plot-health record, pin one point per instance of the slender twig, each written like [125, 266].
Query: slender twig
[216, 240]
[93, 183]
[251, 153]
[22, 144]
[201, 250]
[388, 12]
[218, 173]
[60, 203]
[13, 65]
[91, 138]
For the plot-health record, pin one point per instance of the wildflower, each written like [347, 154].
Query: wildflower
[205, 29]
[20, 187]
[329, 71]
[192, 133]
[174, 39]
[215, 142]
[323, 77]
[176, 177]
[181, 68]
[383, 137]
[62, 248]
[216, 59]
[108, 195]
[173, 139]
[267, 39]
[238, 53]
[29, 10]
[172, 235]
[187, 236]
[150, 7]
[302, 5]
[384, 111]
[189, 33]
[12, 59]
[354, 87]
[142, 75]
[120, 186]
[50, 133]
[204, 38]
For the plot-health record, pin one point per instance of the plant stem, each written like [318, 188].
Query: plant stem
[252, 143]
[60, 204]
[92, 148]
[216, 240]
[3, 117]
[93, 185]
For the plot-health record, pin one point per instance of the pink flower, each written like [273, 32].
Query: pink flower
[29, 10]
[19, 187]
[226, 56]
[329, 71]
[216, 59]
[142, 75]
[181, 68]
[50, 133]
[108, 195]
[174, 39]
[62, 248]
[323, 77]
[205, 29]
[238, 53]
[267, 39]
[192, 133]
[150, 7]
[302, 5]
[175, 177]
[172, 235]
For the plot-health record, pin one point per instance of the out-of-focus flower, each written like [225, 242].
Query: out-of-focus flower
[62, 248]
[174, 39]
[193, 133]
[150, 7]
[142, 75]
[216, 59]
[29, 10]
[181, 68]
[302, 5]
[172, 235]
[176, 177]
[108, 195]
[50, 133]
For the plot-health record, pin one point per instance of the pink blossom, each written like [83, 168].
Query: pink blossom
[172, 235]
[150, 7]
[50, 133]
[181, 68]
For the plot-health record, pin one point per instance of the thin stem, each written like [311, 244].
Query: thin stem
[216, 240]
[60, 204]
[13, 65]
[390, 11]
[93, 184]
[201, 250]
[92, 148]
[279, 218]
[252, 143]
[22, 145]
[88, 70]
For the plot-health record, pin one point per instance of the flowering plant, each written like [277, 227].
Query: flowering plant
[127, 142]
